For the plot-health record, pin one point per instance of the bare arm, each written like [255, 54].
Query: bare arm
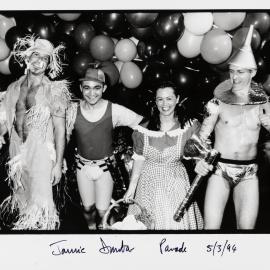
[59, 137]
[135, 175]
[264, 116]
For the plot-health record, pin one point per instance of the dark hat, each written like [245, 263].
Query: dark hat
[92, 74]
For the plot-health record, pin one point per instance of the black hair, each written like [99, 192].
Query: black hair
[154, 121]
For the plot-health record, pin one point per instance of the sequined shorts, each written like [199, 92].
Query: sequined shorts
[236, 171]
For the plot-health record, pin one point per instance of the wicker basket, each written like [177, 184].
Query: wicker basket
[144, 216]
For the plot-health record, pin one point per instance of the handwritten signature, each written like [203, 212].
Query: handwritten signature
[58, 250]
[164, 247]
[106, 249]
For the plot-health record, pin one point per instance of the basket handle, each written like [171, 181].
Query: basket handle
[115, 203]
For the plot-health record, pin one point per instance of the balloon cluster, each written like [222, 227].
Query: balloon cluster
[138, 50]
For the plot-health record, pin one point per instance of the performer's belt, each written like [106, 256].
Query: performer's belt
[102, 163]
[237, 162]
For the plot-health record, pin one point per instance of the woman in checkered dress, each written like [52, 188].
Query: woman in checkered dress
[159, 180]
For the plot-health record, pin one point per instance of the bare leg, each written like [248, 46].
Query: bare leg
[216, 197]
[104, 189]
[87, 194]
[246, 201]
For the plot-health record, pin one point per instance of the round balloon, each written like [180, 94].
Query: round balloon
[142, 33]
[240, 35]
[66, 28]
[198, 23]
[81, 62]
[125, 50]
[4, 50]
[111, 71]
[5, 25]
[169, 27]
[131, 75]
[141, 19]
[189, 44]
[83, 34]
[119, 65]
[149, 49]
[171, 56]
[216, 46]
[4, 66]
[185, 78]
[69, 16]
[155, 73]
[260, 20]
[112, 23]
[228, 20]
[44, 29]
[14, 34]
[102, 47]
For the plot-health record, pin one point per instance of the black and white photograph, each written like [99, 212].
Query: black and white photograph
[135, 126]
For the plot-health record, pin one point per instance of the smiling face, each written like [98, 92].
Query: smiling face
[166, 101]
[38, 62]
[240, 77]
[92, 91]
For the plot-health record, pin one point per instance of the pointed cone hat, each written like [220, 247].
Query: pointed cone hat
[244, 57]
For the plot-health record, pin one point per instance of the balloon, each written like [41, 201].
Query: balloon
[119, 65]
[228, 20]
[44, 29]
[66, 28]
[81, 62]
[240, 35]
[111, 71]
[169, 27]
[5, 25]
[83, 34]
[171, 56]
[155, 73]
[184, 78]
[142, 33]
[69, 16]
[148, 50]
[113, 23]
[14, 34]
[189, 44]
[102, 47]
[4, 66]
[125, 50]
[216, 46]
[260, 20]
[198, 23]
[131, 75]
[141, 19]
[4, 50]
[47, 14]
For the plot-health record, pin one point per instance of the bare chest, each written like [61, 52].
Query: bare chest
[236, 116]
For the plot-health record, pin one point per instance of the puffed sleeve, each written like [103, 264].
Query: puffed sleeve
[138, 144]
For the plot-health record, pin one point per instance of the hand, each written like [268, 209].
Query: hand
[56, 174]
[264, 118]
[129, 195]
[203, 168]
[2, 141]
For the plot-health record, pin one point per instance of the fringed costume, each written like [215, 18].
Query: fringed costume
[31, 161]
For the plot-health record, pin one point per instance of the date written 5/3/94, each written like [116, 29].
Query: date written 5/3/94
[220, 248]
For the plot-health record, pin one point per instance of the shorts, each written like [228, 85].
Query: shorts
[94, 168]
[236, 171]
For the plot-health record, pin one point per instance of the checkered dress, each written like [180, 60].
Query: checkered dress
[163, 185]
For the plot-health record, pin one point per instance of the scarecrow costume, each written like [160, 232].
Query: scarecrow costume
[32, 159]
